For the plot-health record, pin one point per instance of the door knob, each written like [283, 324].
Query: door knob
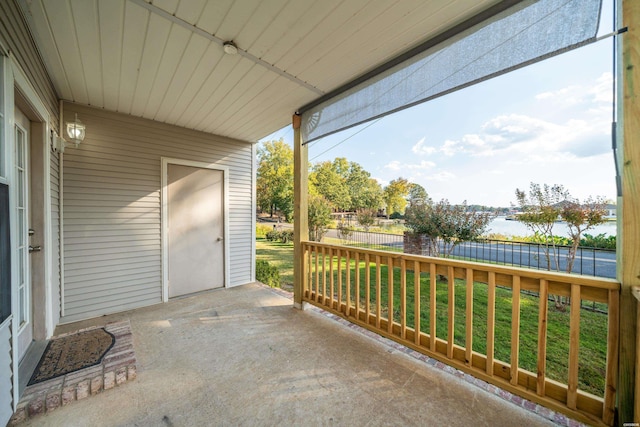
[219, 239]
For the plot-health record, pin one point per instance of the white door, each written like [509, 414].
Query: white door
[21, 186]
[195, 222]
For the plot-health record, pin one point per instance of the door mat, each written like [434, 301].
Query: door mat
[72, 353]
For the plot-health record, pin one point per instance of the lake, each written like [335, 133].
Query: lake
[515, 228]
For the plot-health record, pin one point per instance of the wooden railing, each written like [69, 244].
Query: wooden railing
[518, 327]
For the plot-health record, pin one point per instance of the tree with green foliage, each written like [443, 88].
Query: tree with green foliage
[541, 209]
[445, 225]
[417, 194]
[364, 191]
[366, 218]
[319, 218]
[325, 177]
[581, 217]
[544, 206]
[395, 196]
[275, 178]
[346, 185]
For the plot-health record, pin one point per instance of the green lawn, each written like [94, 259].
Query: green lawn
[593, 327]
[280, 255]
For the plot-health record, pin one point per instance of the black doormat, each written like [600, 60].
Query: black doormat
[72, 353]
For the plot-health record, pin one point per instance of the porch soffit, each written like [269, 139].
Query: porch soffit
[118, 55]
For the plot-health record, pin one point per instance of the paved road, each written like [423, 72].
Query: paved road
[588, 262]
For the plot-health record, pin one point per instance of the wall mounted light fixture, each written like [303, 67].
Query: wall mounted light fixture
[75, 131]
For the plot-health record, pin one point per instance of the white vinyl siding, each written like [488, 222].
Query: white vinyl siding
[6, 377]
[15, 36]
[54, 177]
[111, 209]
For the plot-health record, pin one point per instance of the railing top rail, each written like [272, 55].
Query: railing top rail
[596, 282]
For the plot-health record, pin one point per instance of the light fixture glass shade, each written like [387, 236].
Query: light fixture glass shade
[75, 131]
[230, 48]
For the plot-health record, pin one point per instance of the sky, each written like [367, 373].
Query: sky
[549, 122]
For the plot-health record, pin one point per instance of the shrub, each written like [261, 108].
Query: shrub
[267, 273]
[600, 241]
[319, 218]
[262, 230]
[396, 215]
[284, 236]
[272, 235]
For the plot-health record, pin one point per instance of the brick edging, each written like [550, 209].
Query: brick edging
[117, 367]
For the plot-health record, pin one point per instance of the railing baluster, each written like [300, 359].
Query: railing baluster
[348, 280]
[542, 336]
[416, 295]
[357, 285]
[367, 291]
[317, 275]
[469, 319]
[331, 280]
[432, 307]
[378, 292]
[403, 298]
[339, 280]
[611, 378]
[574, 347]
[324, 277]
[310, 273]
[390, 291]
[491, 321]
[515, 329]
[452, 311]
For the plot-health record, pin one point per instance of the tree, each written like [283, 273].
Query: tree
[275, 178]
[346, 185]
[366, 218]
[580, 218]
[541, 209]
[365, 192]
[543, 206]
[417, 194]
[445, 225]
[330, 184]
[319, 218]
[395, 196]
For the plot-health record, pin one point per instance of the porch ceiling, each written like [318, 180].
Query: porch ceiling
[163, 59]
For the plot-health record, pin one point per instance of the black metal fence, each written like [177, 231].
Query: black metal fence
[588, 261]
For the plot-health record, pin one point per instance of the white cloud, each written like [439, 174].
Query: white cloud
[530, 138]
[421, 149]
[441, 176]
[395, 165]
[598, 92]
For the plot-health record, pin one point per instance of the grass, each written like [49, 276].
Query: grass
[280, 255]
[593, 326]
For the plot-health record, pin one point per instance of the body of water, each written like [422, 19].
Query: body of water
[500, 225]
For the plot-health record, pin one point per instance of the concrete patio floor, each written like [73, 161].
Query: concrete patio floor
[244, 356]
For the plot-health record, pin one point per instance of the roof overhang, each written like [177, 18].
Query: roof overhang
[165, 59]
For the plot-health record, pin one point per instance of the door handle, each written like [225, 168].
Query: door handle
[219, 239]
[35, 248]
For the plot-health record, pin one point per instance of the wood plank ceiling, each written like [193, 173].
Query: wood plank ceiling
[163, 59]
